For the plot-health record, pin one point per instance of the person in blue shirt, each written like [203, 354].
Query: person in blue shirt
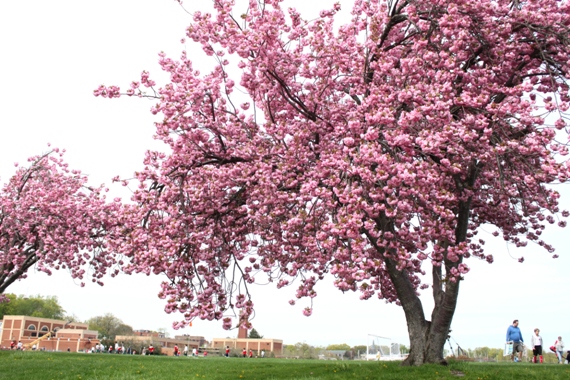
[514, 335]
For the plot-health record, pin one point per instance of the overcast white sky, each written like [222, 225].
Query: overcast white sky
[55, 53]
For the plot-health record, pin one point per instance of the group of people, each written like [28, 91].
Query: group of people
[514, 337]
[111, 349]
[194, 351]
[119, 348]
[20, 346]
[244, 353]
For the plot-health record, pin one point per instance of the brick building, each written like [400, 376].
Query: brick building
[72, 336]
[148, 333]
[242, 341]
[257, 345]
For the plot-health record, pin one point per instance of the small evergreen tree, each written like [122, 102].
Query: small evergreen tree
[253, 334]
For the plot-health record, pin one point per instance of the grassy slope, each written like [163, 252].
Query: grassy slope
[62, 366]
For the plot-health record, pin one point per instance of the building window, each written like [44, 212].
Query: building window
[31, 327]
[45, 329]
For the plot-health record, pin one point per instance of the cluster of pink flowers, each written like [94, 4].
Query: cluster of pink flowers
[134, 89]
[368, 151]
[51, 219]
[107, 92]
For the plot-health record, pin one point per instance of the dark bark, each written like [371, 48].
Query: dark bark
[428, 337]
[7, 277]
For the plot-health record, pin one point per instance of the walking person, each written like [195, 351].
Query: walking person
[536, 343]
[559, 344]
[514, 335]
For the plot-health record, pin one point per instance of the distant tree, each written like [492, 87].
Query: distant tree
[356, 351]
[6, 306]
[303, 351]
[33, 306]
[136, 345]
[341, 346]
[481, 352]
[486, 352]
[109, 327]
[253, 334]
[495, 352]
[71, 318]
[361, 348]
[404, 349]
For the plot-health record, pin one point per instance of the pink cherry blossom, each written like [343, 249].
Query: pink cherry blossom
[370, 151]
[50, 218]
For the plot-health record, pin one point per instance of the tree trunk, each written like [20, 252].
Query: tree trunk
[427, 338]
[7, 277]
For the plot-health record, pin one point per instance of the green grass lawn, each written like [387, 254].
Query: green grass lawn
[74, 366]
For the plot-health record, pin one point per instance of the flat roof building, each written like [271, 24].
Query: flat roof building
[47, 334]
[257, 345]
